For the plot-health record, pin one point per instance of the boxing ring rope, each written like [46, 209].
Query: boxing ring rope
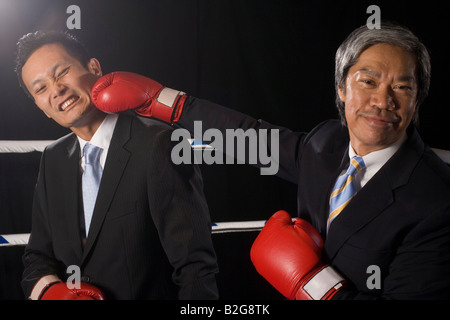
[22, 146]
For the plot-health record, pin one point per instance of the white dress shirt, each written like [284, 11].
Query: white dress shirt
[101, 138]
[374, 161]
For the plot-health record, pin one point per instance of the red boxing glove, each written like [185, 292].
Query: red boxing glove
[121, 91]
[60, 291]
[288, 255]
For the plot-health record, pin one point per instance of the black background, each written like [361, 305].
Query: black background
[273, 60]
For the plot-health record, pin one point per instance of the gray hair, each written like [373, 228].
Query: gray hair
[362, 38]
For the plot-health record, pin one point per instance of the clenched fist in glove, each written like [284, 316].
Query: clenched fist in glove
[288, 255]
[60, 291]
[121, 91]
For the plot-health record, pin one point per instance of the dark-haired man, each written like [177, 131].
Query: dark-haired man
[146, 234]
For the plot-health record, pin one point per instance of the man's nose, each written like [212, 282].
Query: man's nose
[58, 89]
[383, 98]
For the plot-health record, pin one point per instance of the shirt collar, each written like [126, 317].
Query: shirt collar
[102, 137]
[376, 159]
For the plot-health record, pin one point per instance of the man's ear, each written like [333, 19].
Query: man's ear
[341, 94]
[94, 67]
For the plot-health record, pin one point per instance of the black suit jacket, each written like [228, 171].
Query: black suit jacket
[150, 232]
[397, 228]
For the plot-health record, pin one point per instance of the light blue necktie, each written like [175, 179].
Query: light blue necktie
[344, 189]
[90, 181]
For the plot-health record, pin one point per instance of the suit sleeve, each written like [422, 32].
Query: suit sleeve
[280, 144]
[181, 215]
[37, 258]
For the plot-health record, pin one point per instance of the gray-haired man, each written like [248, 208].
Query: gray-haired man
[389, 241]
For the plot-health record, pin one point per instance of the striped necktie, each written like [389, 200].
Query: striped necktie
[90, 181]
[344, 189]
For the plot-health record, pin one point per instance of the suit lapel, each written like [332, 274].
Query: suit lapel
[116, 162]
[365, 206]
[72, 197]
[325, 181]
[377, 194]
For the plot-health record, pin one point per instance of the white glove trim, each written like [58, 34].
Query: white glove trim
[42, 284]
[322, 282]
[168, 96]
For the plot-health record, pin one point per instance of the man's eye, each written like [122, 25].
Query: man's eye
[63, 72]
[368, 82]
[40, 89]
[403, 87]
